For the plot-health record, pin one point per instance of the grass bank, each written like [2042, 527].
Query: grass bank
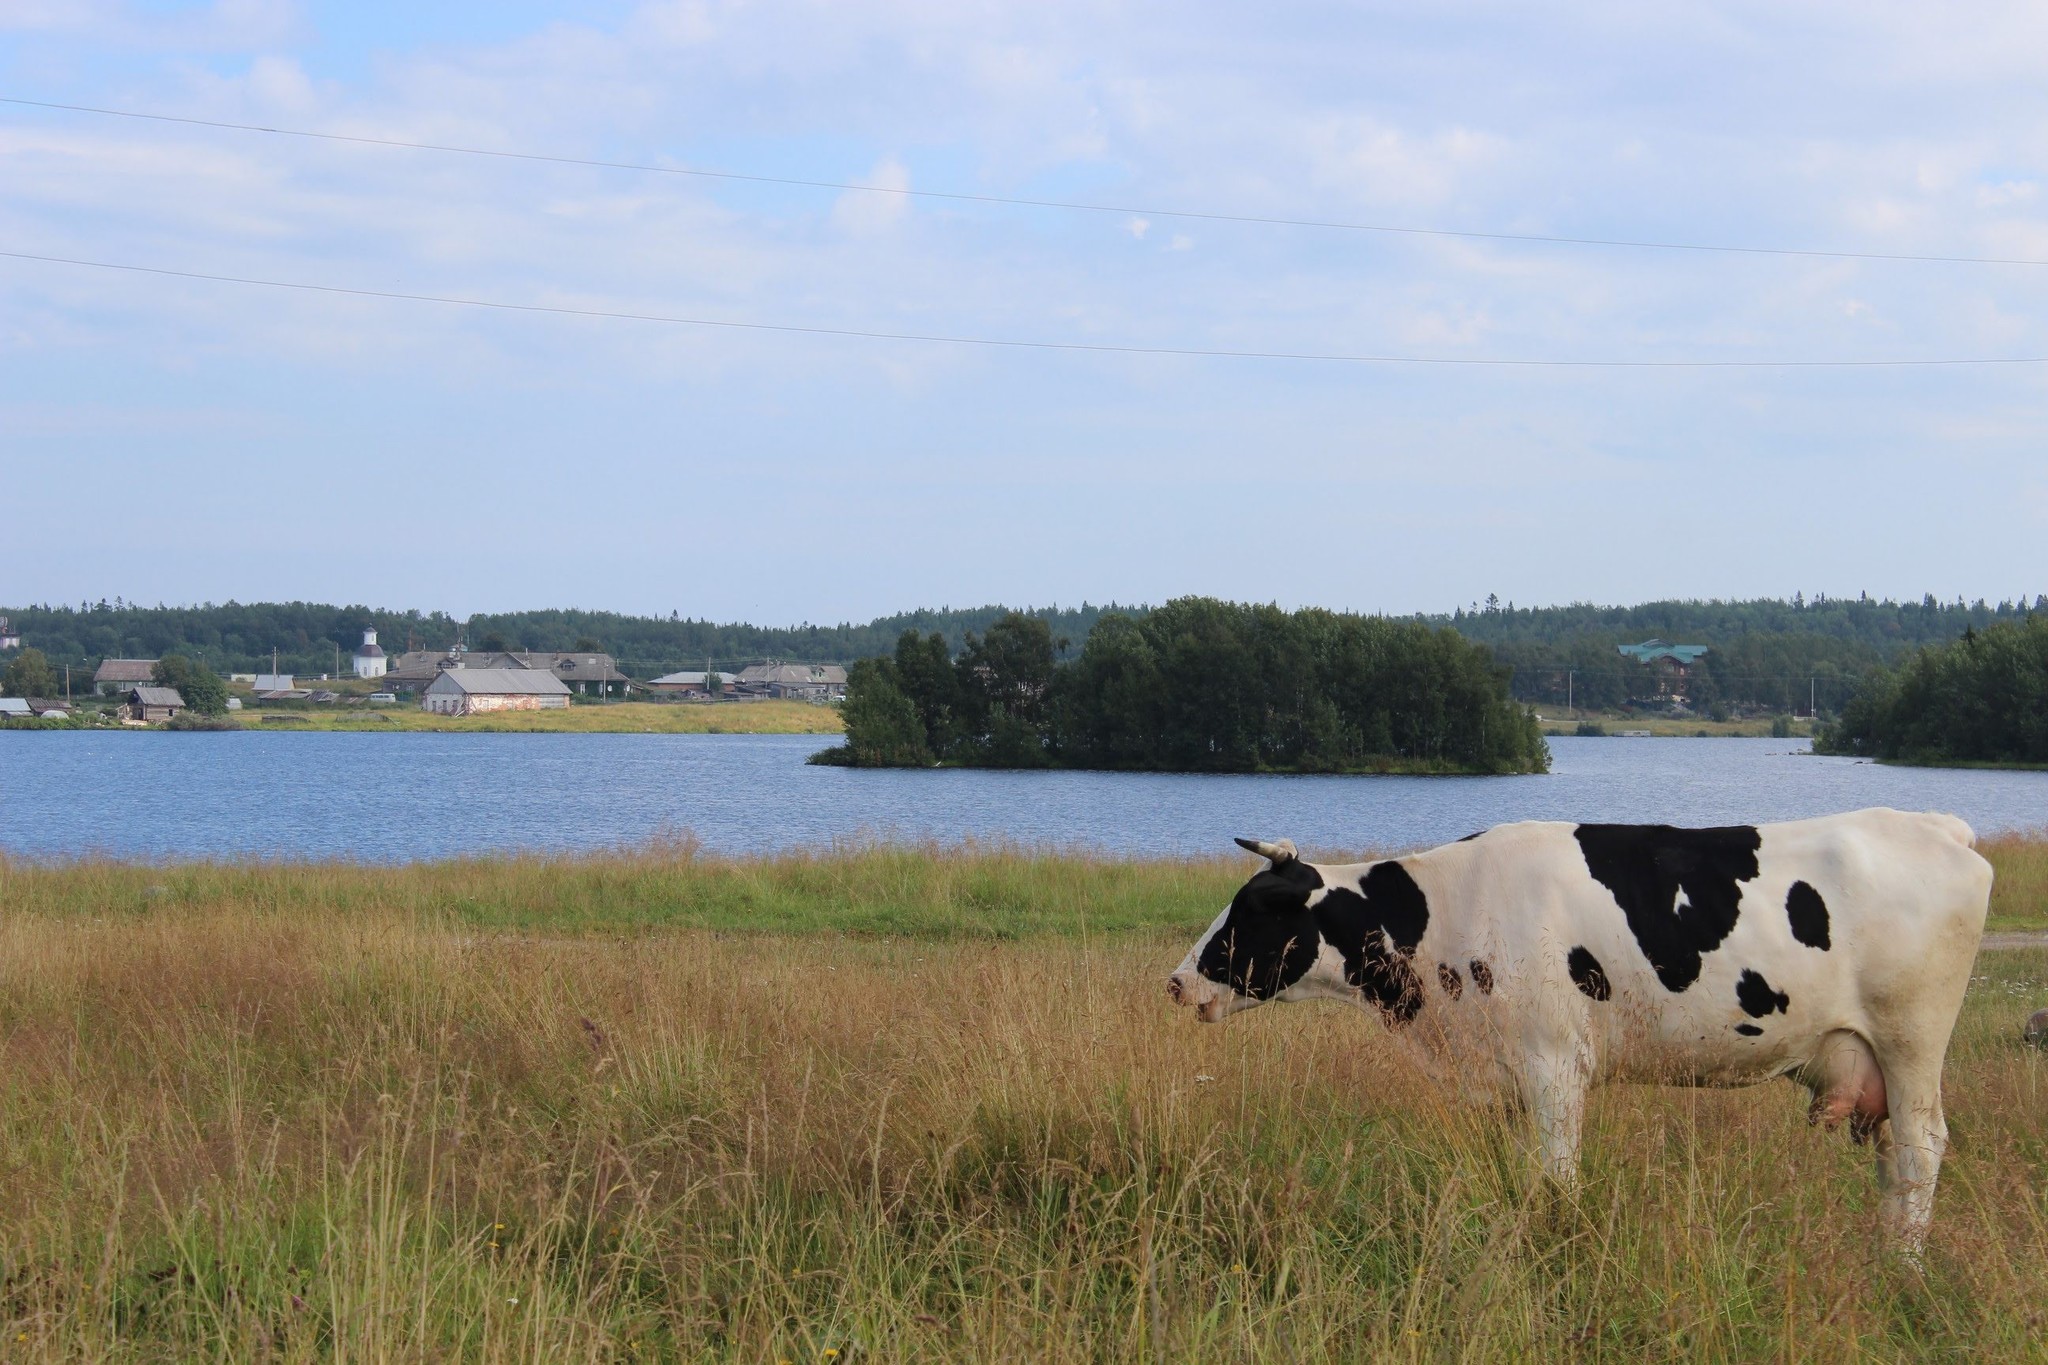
[625, 717]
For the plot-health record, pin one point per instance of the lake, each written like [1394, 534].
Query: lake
[414, 796]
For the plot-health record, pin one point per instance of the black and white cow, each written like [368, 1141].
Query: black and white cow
[1533, 960]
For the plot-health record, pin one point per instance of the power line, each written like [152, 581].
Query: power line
[1073, 205]
[1013, 343]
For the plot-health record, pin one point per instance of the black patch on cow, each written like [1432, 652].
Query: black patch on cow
[1588, 975]
[1648, 868]
[1749, 1030]
[1376, 928]
[1809, 915]
[1268, 941]
[1473, 835]
[1447, 976]
[1756, 997]
[1482, 975]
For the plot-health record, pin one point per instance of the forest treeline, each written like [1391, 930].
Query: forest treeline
[1197, 685]
[1765, 653]
[1982, 698]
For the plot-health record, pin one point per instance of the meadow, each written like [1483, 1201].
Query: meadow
[885, 1104]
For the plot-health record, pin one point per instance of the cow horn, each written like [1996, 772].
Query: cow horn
[1278, 853]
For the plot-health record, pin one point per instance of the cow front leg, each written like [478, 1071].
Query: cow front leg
[1554, 1092]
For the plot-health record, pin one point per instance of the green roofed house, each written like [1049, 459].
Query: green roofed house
[1670, 668]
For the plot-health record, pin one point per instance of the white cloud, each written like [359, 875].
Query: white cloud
[864, 213]
[1876, 130]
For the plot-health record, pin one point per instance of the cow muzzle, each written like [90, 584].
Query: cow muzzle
[1186, 988]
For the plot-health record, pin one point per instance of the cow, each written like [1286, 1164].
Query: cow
[1530, 961]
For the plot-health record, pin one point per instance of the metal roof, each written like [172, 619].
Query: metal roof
[1650, 650]
[523, 681]
[157, 696]
[14, 706]
[801, 674]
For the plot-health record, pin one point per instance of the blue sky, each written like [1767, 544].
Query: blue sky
[185, 441]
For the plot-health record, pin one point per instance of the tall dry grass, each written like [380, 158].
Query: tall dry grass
[969, 890]
[2019, 893]
[234, 1130]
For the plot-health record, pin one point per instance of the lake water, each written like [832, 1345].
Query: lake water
[414, 796]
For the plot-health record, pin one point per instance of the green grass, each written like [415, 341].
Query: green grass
[625, 717]
[514, 1110]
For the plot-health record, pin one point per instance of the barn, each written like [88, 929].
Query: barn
[154, 703]
[475, 691]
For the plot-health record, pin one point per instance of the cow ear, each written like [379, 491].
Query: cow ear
[1280, 854]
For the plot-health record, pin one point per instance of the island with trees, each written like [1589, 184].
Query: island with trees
[1197, 685]
[1980, 699]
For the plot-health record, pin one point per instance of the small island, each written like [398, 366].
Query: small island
[1198, 685]
[1978, 701]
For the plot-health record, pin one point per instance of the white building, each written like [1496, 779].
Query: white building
[369, 658]
[473, 691]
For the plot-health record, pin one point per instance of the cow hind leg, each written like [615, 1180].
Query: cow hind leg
[1554, 1094]
[1909, 1155]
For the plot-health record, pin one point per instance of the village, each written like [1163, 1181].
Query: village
[452, 682]
[458, 681]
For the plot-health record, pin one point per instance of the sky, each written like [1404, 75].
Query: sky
[183, 440]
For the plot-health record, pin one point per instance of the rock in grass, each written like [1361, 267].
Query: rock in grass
[2036, 1031]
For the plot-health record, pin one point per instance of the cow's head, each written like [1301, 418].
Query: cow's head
[1264, 947]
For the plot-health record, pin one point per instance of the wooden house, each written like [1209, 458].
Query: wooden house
[154, 703]
[475, 691]
[116, 676]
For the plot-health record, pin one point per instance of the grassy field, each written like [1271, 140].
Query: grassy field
[883, 1104]
[625, 717]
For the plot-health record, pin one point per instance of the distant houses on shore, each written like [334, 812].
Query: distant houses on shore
[461, 682]
[760, 682]
[594, 674]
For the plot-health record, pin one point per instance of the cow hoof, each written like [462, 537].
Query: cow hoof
[2036, 1031]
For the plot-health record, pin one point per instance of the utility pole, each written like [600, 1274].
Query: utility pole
[1812, 699]
[1569, 675]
